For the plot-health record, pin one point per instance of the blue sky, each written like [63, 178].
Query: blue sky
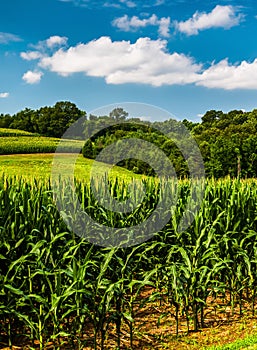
[183, 56]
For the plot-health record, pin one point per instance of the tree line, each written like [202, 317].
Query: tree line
[46, 121]
[227, 141]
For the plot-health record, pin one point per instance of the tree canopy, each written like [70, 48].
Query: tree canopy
[47, 121]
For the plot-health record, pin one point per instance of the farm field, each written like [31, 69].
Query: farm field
[14, 141]
[15, 132]
[39, 166]
[128, 175]
[59, 290]
[27, 155]
[32, 144]
[194, 289]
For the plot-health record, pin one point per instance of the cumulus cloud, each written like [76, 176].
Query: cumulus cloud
[50, 43]
[126, 24]
[164, 26]
[128, 3]
[32, 77]
[4, 94]
[42, 47]
[145, 61]
[226, 76]
[56, 40]
[220, 17]
[131, 24]
[5, 38]
[31, 55]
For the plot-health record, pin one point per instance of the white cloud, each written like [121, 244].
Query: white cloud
[31, 77]
[112, 4]
[126, 24]
[221, 16]
[4, 94]
[130, 24]
[5, 38]
[159, 2]
[146, 61]
[56, 40]
[128, 3]
[43, 46]
[229, 77]
[31, 55]
[51, 43]
[164, 27]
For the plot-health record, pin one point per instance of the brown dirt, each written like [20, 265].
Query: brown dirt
[219, 328]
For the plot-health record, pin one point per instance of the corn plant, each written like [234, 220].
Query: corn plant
[58, 287]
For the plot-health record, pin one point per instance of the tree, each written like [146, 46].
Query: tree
[118, 114]
[211, 116]
[54, 121]
[25, 120]
[5, 120]
[88, 150]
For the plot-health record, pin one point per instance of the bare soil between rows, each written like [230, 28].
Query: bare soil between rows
[155, 328]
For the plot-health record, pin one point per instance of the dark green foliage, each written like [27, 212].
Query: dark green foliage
[5, 120]
[48, 121]
[107, 133]
[227, 141]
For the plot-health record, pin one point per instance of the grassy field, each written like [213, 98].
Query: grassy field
[39, 166]
[31, 156]
[14, 141]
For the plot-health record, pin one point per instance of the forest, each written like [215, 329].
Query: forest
[227, 141]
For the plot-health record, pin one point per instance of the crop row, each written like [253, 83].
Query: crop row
[34, 144]
[58, 287]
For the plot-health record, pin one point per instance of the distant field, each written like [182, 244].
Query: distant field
[13, 141]
[34, 144]
[40, 166]
[15, 132]
[30, 155]
[27, 144]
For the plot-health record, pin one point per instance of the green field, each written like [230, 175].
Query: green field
[58, 287]
[40, 165]
[63, 291]
[13, 141]
[31, 156]
[15, 132]
[34, 144]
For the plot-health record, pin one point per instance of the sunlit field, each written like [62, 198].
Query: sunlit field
[58, 288]
[39, 166]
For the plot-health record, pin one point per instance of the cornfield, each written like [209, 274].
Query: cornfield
[30, 143]
[15, 132]
[58, 288]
